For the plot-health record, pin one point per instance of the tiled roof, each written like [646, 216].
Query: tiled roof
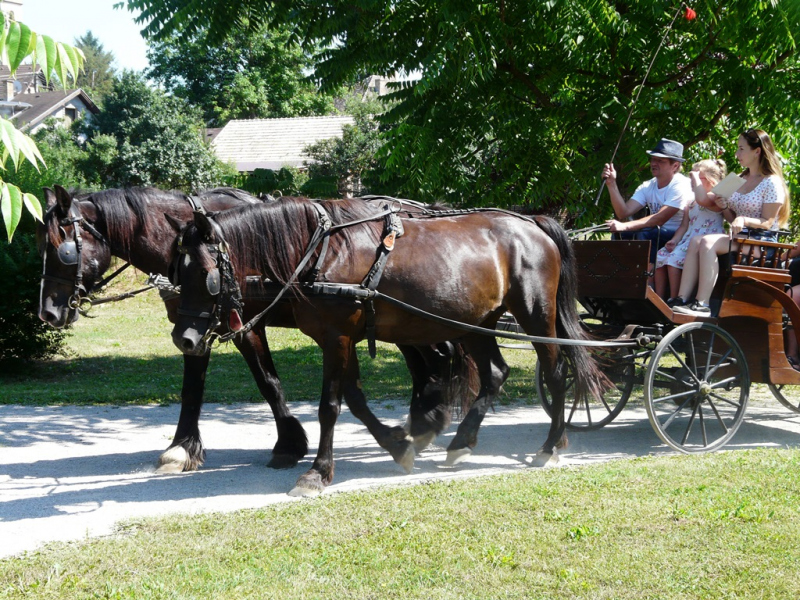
[274, 143]
[43, 104]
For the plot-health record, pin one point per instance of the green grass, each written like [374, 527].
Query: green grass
[125, 355]
[713, 526]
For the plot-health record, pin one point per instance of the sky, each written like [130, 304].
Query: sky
[64, 20]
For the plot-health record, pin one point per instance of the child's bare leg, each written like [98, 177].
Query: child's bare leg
[661, 282]
[674, 274]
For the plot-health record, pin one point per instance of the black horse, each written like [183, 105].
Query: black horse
[470, 268]
[80, 235]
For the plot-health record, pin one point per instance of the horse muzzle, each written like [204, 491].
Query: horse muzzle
[56, 316]
[189, 341]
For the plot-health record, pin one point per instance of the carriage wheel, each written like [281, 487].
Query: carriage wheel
[589, 414]
[788, 395]
[696, 388]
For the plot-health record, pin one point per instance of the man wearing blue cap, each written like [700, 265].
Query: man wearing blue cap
[667, 194]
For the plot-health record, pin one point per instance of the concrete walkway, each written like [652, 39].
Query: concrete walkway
[68, 473]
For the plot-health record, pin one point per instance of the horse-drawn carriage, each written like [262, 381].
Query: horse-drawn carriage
[694, 373]
[450, 278]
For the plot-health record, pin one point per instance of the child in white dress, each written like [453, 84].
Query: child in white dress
[702, 217]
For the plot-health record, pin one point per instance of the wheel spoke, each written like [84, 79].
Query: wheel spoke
[679, 358]
[720, 363]
[702, 425]
[689, 426]
[733, 403]
[673, 396]
[674, 414]
[719, 417]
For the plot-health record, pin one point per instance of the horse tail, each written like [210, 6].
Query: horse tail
[589, 379]
[461, 383]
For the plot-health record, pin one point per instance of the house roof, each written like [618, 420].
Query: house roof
[44, 103]
[274, 143]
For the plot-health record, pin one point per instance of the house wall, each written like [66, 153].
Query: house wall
[74, 107]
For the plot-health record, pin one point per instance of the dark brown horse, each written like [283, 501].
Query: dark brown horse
[137, 225]
[469, 268]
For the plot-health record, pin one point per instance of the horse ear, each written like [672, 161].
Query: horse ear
[203, 224]
[175, 223]
[64, 199]
[50, 197]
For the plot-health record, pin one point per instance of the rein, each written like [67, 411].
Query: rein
[367, 293]
[322, 234]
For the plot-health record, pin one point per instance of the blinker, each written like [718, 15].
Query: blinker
[213, 282]
[68, 253]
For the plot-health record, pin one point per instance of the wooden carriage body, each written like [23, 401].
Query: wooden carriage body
[749, 300]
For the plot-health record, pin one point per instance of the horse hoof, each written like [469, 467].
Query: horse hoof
[282, 461]
[299, 491]
[423, 441]
[545, 459]
[308, 484]
[173, 460]
[455, 457]
[405, 457]
[407, 425]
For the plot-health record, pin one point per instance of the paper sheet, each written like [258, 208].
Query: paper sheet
[727, 186]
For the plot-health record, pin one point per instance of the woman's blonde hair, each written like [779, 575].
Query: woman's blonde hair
[770, 164]
[713, 168]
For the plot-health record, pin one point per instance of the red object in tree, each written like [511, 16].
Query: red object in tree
[690, 15]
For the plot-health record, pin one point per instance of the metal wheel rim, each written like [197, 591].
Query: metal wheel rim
[572, 407]
[777, 391]
[697, 407]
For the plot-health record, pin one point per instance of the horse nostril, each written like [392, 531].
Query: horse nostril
[48, 316]
[187, 345]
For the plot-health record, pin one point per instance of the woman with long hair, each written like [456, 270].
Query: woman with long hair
[758, 209]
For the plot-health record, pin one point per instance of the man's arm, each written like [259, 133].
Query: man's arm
[654, 220]
[622, 208]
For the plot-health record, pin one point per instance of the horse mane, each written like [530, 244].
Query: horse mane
[272, 238]
[115, 207]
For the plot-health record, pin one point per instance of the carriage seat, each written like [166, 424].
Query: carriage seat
[758, 259]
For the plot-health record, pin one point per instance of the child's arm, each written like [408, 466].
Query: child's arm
[670, 245]
[704, 198]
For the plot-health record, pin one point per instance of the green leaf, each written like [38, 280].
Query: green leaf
[12, 211]
[33, 205]
[19, 40]
[4, 31]
[48, 59]
[8, 135]
[28, 148]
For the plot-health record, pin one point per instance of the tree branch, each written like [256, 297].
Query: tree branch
[542, 99]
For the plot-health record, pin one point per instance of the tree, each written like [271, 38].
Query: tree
[17, 42]
[245, 75]
[342, 167]
[144, 137]
[521, 103]
[97, 76]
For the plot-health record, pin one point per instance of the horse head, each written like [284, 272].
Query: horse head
[73, 261]
[210, 301]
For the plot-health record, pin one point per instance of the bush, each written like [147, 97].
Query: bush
[288, 181]
[22, 335]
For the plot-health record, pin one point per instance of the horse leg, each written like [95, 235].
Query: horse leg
[292, 444]
[393, 439]
[493, 372]
[186, 452]
[314, 481]
[554, 370]
[429, 412]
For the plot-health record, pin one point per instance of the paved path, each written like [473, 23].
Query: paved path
[68, 473]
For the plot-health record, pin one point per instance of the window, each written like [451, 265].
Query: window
[70, 113]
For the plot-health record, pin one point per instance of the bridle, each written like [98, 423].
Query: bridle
[70, 252]
[230, 294]
[221, 284]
